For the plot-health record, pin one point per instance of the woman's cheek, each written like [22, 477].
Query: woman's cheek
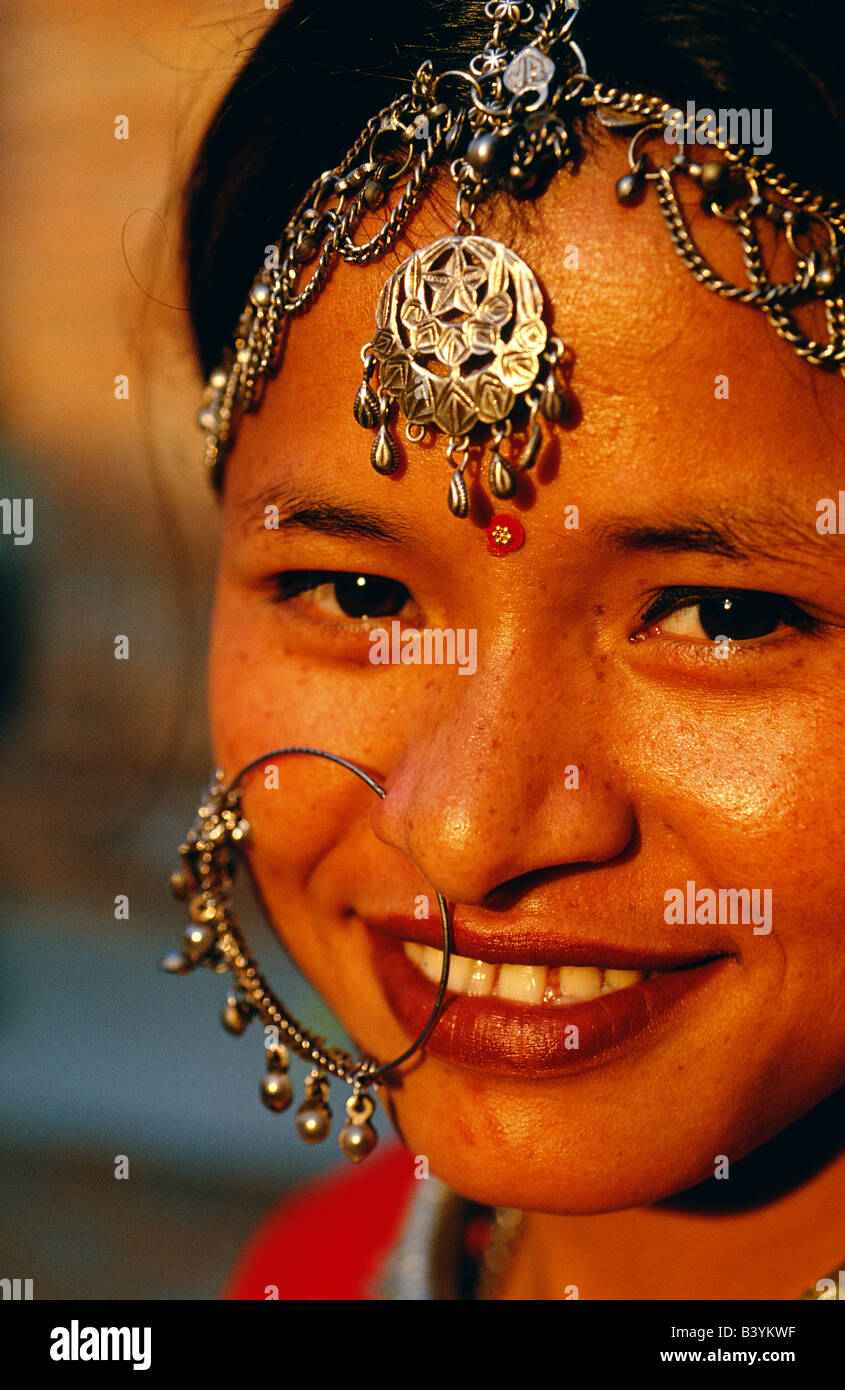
[743, 780]
[753, 803]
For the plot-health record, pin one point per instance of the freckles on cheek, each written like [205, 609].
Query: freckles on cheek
[764, 773]
[232, 689]
[256, 696]
[298, 822]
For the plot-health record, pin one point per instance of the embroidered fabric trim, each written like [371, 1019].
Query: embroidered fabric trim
[424, 1264]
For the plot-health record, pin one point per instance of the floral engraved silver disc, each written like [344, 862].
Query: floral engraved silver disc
[459, 333]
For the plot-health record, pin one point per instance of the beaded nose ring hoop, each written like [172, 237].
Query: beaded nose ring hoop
[214, 938]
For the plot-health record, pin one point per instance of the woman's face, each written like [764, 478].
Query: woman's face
[703, 451]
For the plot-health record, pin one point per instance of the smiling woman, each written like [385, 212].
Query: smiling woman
[564, 445]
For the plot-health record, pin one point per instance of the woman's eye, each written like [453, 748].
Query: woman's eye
[344, 595]
[738, 615]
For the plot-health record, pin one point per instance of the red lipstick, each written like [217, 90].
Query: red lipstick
[538, 1040]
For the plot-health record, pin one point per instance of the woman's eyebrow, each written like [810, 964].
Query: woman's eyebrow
[281, 508]
[732, 537]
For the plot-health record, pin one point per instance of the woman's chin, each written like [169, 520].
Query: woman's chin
[521, 1170]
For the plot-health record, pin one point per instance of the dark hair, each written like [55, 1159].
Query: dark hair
[324, 67]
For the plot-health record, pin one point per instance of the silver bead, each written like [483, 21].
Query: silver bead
[823, 270]
[198, 940]
[384, 455]
[714, 176]
[358, 1138]
[235, 1016]
[314, 1118]
[313, 1121]
[202, 909]
[175, 963]
[357, 1141]
[351, 181]
[276, 1091]
[182, 884]
[503, 481]
[305, 249]
[629, 189]
[365, 407]
[261, 294]
[207, 420]
[458, 497]
[485, 151]
[373, 193]
[218, 379]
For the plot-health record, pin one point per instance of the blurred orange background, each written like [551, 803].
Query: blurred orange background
[103, 759]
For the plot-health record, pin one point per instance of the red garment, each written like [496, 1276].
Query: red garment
[330, 1239]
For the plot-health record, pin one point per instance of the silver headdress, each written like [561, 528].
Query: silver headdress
[462, 343]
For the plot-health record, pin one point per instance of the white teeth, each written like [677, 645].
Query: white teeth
[431, 964]
[482, 977]
[618, 979]
[580, 982]
[460, 973]
[522, 984]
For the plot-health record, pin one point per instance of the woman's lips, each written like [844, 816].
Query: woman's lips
[493, 1034]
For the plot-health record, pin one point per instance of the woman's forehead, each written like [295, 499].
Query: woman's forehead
[678, 389]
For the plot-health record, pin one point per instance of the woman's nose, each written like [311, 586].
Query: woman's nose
[492, 784]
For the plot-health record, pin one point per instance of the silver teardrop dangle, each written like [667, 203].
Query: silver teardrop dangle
[358, 1138]
[528, 457]
[384, 456]
[198, 940]
[176, 963]
[276, 1089]
[236, 1015]
[458, 493]
[554, 402]
[365, 407]
[503, 480]
[183, 884]
[314, 1116]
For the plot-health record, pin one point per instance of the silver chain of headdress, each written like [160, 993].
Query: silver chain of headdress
[502, 123]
